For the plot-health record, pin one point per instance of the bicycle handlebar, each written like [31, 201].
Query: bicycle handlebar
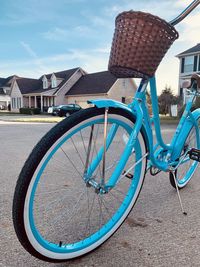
[186, 12]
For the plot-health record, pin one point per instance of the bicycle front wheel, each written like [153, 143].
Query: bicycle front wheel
[56, 214]
[185, 171]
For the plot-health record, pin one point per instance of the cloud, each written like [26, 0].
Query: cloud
[56, 34]
[33, 55]
[182, 3]
[91, 60]
[60, 34]
[29, 49]
[190, 30]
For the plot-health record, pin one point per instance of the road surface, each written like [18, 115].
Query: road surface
[157, 233]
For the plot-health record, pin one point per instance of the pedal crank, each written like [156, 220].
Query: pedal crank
[154, 171]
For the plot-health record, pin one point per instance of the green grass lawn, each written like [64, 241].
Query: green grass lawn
[48, 120]
[168, 119]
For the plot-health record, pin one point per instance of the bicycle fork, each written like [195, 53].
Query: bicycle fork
[101, 155]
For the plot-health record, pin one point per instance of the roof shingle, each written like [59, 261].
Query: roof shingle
[65, 74]
[2, 81]
[193, 49]
[95, 83]
[27, 85]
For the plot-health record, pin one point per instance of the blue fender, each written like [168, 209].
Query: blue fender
[106, 103]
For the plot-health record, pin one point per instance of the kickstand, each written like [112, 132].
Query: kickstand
[177, 189]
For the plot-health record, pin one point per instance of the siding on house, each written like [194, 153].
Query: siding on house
[101, 85]
[60, 95]
[16, 98]
[5, 89]
[189, 63]
[123, 88]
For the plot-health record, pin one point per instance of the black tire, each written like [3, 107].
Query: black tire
[34, 160]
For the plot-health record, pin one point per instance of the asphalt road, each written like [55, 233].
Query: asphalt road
[158, 235]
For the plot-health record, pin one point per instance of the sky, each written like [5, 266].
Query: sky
[39, 37]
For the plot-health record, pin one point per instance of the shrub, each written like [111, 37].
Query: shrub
[30, 111]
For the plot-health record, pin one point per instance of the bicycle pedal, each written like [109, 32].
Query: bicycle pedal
[194, 154]
[154, 171]
[128, 175]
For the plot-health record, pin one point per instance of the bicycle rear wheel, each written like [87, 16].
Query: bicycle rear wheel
[56, 214]
[185, 171]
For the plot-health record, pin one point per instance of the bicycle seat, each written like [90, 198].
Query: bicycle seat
[188, 83]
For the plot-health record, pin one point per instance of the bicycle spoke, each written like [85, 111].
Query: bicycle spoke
[83, 141]
[72, 163]
[100, 211]
[77, 152]
[89, 214]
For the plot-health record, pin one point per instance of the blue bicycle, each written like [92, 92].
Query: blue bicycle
[83, 178]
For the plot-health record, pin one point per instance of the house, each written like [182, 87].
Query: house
[69, 86]
[48, 90]
[189, 64]
[100, 85]
[5, 90]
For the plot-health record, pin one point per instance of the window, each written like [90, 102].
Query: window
[53, 83]
[195, 63]
[16, 102]
[13, 103]
[19, 102]
[181, 92]
[182, 64]
[189, 64]
[199, 64]
[45, 82]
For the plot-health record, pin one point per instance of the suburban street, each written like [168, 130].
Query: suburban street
[158, 235]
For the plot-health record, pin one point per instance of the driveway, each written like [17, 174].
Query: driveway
[158, 235]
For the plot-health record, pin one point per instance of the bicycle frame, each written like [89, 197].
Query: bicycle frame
[162, 156]
[139, 110]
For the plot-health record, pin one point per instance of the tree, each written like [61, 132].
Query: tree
[166, 99]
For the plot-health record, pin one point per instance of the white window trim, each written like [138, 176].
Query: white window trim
[45, 82]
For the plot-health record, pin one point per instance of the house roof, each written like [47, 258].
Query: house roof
[194, 49]
[2, 81]
[7, 81]
[27, 85]
[95, 83]
[65, 74]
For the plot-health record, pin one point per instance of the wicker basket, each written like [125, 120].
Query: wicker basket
[140, 42]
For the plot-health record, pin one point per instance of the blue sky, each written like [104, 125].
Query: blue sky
[46, 36]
